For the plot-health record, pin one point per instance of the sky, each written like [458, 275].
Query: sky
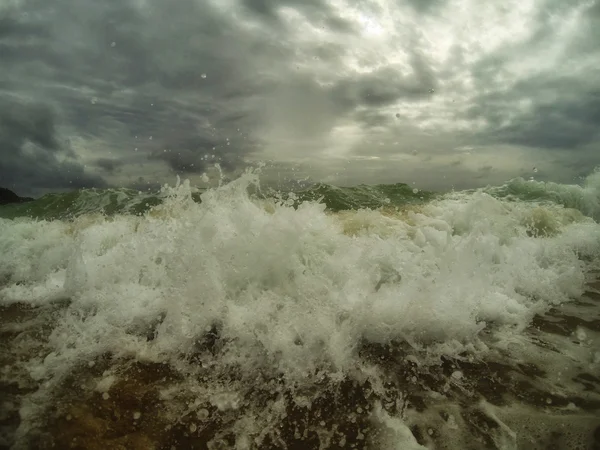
[441, 94]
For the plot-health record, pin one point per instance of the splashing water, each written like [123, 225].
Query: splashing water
[250, 316]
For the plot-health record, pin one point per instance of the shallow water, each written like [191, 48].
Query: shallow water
[464, 321]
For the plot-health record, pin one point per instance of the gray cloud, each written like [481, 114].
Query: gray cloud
[387, 85]
[109, 165]
[32, 157]
[160, 87]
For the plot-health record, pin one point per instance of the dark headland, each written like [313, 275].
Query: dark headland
[7, 196]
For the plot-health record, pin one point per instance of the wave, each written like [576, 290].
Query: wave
[265, 308]
[585, 198]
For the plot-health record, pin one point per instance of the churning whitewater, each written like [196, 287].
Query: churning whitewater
[231, 319]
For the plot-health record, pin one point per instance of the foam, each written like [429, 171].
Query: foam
[585, 197]
[293, 291]
[272, 279]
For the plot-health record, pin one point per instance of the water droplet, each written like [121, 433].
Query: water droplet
[203, 75]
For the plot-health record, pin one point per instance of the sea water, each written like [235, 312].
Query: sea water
[367, 317]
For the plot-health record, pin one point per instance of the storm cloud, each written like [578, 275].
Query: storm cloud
[32, 157]
[132, 92]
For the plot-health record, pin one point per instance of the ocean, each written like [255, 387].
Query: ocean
[371, 317]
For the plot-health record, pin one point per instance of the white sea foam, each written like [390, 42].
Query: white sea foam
[293, 290]
[288, 286]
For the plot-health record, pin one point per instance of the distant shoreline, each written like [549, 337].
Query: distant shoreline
[7, 197]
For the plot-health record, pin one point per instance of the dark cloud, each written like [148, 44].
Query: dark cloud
[317, 11]
[163, 86]
[108, 165]
[569, 124]
[20, 123]
[191, 154]
[557, 113]
[32, 158]
[387, 85]
[426, 5]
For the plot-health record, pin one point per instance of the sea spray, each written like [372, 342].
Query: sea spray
[264, 310]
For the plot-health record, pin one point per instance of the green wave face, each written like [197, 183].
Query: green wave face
[585, 198]
[364, 196]
[73, 204]
[65, 206]
[126, 201]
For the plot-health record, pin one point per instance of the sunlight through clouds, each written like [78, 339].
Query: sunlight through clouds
[300, 80]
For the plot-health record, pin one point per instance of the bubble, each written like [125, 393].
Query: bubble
[113, 44]
[535, 169]
[397, 115]
[105, 396]
[193, 428]
[137, 415]
[415, 191]
[203, 75]
[94, 100]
